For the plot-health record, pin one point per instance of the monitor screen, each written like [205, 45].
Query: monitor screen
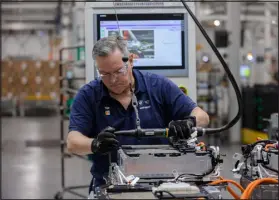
[157, 40]
[245, 71]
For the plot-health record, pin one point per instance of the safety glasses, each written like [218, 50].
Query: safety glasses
[121, 72]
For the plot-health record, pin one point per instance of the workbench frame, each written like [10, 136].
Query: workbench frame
[63, 118]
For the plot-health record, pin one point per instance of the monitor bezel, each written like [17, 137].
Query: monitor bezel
[157, 16]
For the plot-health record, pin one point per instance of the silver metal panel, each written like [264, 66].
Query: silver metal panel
[89, 42]
[27, 17]
[29, 5]
[273, 161]
[252, 18]
[274, 120]
[132, 195]
[161, 166]
[134, 4]
[27, 26]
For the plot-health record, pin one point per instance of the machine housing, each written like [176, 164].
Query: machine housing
[151, 171]
[256, 163]
[186, 75]
[133, 159]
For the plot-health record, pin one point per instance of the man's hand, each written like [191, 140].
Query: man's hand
[182, 129]
[105, 142]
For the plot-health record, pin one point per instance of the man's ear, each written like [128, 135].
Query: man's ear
[131, 58]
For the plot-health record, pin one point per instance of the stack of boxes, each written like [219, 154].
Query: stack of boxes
[30, 79]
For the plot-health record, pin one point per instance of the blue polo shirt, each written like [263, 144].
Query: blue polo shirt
[159, 102]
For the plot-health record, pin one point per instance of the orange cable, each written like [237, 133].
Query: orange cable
[268, 145]
[228, 181]
[250, 188]
[256, 183]
[230, 190]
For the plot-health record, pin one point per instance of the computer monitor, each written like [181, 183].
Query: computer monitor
[245, 71]
[157, 40]
[161, 34]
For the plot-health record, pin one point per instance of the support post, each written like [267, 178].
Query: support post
[268, 44]
[234, 28]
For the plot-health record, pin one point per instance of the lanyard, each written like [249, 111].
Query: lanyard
[135, 106]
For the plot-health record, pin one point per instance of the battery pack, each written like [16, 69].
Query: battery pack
[160, 161]
[263, 191]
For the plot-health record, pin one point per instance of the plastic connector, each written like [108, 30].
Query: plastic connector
[132, 180]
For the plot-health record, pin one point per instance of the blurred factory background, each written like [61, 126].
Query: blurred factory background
[34, 74]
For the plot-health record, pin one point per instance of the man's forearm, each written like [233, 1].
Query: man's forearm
[79, 144]
[202, 117]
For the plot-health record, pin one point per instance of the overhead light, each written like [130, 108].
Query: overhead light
[17, 26]
[217, 23]
[205, 59]
[66, 21]
[273, 22]
[250, 56]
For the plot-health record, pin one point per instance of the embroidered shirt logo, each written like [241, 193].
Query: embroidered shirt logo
[145, 107]
[144, 104]
[107, 111]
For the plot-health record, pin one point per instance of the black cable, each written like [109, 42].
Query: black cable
[199, 176]
[186, 174]
[230, 76]
[159, 194]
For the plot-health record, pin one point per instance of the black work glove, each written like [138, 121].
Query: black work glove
[105, 141]
[182, 129]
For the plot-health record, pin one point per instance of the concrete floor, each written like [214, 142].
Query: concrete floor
[35, 172]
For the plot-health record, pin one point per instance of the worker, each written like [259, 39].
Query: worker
[103, 106]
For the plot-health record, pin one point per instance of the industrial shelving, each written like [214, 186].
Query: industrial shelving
[64, 116]
[206, 89]
[209, 82]
[9, 105]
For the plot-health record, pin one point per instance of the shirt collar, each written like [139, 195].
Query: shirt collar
[139, 81]
[139, 84]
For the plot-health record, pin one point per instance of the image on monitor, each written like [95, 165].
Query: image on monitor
[140, 42]
[157, 40]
